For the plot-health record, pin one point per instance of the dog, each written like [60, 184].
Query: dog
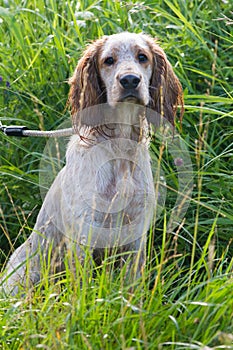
[104, 196]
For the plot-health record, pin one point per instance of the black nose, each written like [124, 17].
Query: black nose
[129, 81]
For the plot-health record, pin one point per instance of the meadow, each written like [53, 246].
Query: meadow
[184, 299]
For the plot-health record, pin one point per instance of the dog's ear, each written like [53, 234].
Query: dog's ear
[86, 87]
[165, 89]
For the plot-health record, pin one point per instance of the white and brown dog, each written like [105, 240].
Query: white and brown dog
[102, 191]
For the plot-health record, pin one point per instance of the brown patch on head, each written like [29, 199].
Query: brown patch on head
[86, 86]
[165, 88]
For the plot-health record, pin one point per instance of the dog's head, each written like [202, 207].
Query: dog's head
[126, 67]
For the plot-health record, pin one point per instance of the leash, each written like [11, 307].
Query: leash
[23, 131]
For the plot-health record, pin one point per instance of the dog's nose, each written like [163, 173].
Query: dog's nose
[130, 81]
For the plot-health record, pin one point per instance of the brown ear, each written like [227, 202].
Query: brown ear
[165, 88]
[86, 87]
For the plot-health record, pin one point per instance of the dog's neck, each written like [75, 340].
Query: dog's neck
[103, 122]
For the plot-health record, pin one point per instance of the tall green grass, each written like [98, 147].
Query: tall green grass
[184, 298]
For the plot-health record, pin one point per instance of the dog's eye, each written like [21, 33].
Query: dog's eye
[142, 58]
[109, 61]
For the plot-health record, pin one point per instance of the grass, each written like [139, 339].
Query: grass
[184, 298]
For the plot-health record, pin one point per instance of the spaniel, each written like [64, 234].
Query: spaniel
[104, 197]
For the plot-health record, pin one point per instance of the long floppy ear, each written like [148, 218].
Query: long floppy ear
[165, 88]
[86, 87]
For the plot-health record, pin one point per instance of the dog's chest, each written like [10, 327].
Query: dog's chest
[110, 187]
